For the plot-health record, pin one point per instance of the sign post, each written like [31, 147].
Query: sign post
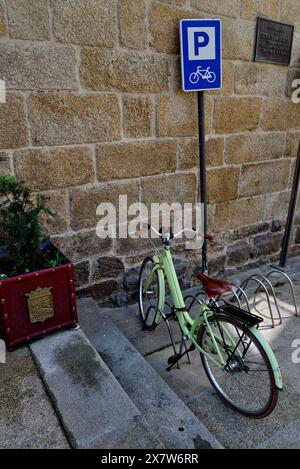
[291, 215]
[201, 69]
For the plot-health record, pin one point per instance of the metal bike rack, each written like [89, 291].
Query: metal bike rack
[261, 280]
[290, 282]
[255, 284]
[264, 284]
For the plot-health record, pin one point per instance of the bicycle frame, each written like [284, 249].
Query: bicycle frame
[204, 73]
[164, 267]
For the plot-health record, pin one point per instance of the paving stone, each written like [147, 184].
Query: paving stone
[134, 435]
[287, 438]
[188, 381]
[68, 361]
[234, 431]
[18, 363]
[133, 372]
[27, 418]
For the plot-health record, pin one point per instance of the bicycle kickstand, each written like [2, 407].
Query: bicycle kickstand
[183, 344]
[175, 358]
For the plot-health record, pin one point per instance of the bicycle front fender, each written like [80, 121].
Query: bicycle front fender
[270, 355]
[162, 290]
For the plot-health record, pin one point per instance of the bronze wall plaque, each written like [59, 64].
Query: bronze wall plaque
[40, 305]
[273, 42]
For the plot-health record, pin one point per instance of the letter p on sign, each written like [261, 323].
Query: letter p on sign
[201, 43]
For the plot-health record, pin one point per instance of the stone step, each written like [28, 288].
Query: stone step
[94, 410]
[166, 414]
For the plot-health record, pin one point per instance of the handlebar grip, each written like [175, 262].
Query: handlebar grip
[208, 237]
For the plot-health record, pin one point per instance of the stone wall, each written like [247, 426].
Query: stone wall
[95, 110]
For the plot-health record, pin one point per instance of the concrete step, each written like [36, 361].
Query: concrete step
[166, 414]
[94, 410]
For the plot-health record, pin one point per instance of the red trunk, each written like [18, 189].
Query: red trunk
[21, 303]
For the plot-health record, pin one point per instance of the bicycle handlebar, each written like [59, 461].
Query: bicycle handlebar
[175, 235]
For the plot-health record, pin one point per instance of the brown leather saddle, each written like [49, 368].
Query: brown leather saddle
[214, 287]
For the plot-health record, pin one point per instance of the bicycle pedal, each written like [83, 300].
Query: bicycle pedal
[174, 358]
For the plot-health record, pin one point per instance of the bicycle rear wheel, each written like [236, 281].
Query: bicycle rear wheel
[247, 383]
[148, 293]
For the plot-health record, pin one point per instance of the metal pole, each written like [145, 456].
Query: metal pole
[202, 173]
[291, 214]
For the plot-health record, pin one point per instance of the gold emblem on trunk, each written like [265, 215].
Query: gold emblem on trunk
[40, 305]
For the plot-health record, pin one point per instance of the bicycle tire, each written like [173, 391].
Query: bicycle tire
[273, 396]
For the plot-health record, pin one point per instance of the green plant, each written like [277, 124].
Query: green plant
[20, 227]
[58, 259]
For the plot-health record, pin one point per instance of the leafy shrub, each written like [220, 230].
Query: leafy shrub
[20, 227]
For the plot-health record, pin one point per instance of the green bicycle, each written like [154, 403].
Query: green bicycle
[238, 361]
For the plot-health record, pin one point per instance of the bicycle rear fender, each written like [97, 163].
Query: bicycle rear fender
[271, 357]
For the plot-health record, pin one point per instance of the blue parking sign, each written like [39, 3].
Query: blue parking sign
[201, 54]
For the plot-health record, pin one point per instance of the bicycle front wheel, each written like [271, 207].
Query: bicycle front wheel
[247, 383]
[149, 292]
